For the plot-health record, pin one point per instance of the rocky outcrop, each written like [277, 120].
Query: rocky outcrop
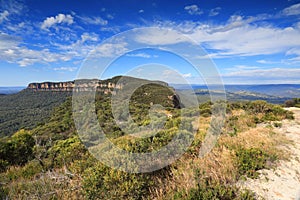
[80, 85]
[148, 90]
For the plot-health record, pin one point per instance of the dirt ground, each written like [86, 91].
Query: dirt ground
[283, 182]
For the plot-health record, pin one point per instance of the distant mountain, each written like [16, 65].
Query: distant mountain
[33, 105]
[272, 93]
[280, 90]
[10, 90]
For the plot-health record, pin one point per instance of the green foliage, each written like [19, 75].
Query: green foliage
[207, 188]
[27, 109]
[3, 192]
[18, 149]
[293, 103]
[27, 171]
[102, 182]
[261, 111]
[28, 156]
[205, 109]
[251, 160]
[67, 151]
[278, 124]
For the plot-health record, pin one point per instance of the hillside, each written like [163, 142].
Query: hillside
[33, 105]
[50, 161]
[26, 109]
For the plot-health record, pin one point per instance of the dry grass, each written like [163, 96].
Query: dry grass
[49, 185]
[260, 137]
[220, 163]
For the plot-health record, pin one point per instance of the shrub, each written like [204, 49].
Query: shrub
[208, 188]
[18, 149]
[250, 160]
[102, 182]
[66, 151]
[278, 124]
[292, 102]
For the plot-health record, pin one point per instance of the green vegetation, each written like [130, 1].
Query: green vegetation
[27, 109]
[293, 103]
[251, 160]
[50, 162]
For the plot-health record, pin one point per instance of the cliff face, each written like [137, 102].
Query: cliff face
[146, 90]
[105, 87]
[51, 86]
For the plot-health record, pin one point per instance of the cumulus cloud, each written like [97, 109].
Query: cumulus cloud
[193, 10]
[292, 10]
[58, 19]
[93, 20]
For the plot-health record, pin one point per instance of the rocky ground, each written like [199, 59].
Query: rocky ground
[283, 182]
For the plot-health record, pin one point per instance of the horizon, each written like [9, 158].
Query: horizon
[192, 84]
[250, 43]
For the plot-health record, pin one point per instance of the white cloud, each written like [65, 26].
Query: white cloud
[214, 11]
[292, 10]
[160, 37]
[12, 51]
[93, 20]
[113, 29]
[109, 16]
[193, 10]
[81, 47]
[14, 7]
[239, 37]
[70, 69]
[266, 73]
[188, 75]
[58, 19]
[89, 37]
[242, 67]
[10, 8]
[141, 11]
[266, 62]
[110, 49]
[141, 55]
[3, 16]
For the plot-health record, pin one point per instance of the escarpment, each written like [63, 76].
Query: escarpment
[145, 90]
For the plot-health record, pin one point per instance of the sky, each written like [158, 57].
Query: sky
[249, 42]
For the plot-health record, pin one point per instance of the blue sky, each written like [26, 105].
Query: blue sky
[250, 42]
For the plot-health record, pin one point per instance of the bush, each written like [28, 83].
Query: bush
[278, 124]
[292, 102]
[250, 160]
[102, 182]
[208, 188]
[66, 151]
[18, 149]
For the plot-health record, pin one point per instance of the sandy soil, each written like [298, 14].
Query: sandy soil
[283, 182]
